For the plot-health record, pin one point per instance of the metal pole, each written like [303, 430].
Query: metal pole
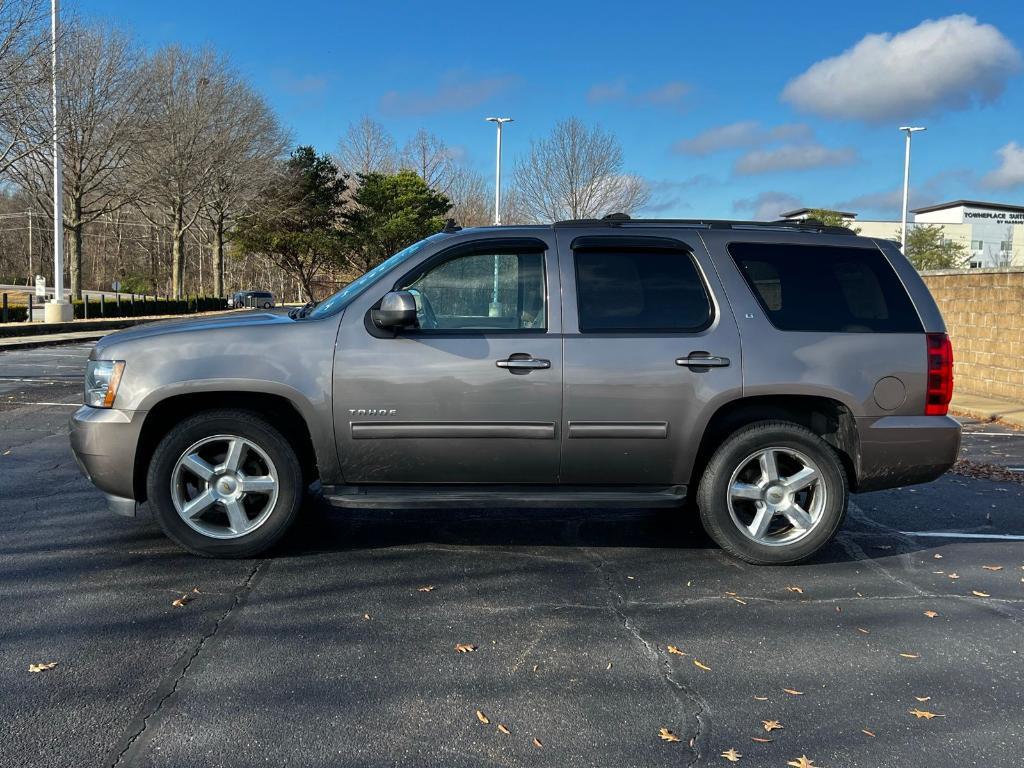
[31, 272]
[497, 180]
[58, 181]
[908, 130]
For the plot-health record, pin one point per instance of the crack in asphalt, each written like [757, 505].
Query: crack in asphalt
[130, 744]
[600, 564]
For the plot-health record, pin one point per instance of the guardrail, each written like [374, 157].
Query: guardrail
[122, 305]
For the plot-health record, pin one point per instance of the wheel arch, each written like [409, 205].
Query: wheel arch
[277, 409]
[828, 418]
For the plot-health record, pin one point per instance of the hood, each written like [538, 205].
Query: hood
[191, 325]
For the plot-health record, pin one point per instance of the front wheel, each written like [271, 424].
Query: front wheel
[225, 483]
[773, 493]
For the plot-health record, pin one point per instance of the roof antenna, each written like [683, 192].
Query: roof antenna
[615, 217]
[450, 226]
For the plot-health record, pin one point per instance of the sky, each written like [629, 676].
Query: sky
[728, 109]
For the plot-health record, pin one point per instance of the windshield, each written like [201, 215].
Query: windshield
[341, 299]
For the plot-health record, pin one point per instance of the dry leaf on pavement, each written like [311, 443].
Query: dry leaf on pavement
[761, 740]
[772, 725]
[465, 647]
[537, 743]
[979, 593]
[504, 730]
[676, 651]
[931, 614]
[796, 589]
[738, 600]
[427, 588]
[923, 698]
[802, 762]
[666, 735]
[864, 631]
[924, 714]
[911, 655]
[182, 601]
[732, 755]
[992, 567]
[792, 692]
[482, 717]
[705, 667]
[760, 698]
[866, 732]
[954, 575]
[42, 667]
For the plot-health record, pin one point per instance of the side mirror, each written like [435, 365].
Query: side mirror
[397, 310]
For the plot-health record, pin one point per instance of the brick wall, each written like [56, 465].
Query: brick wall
[984, 312]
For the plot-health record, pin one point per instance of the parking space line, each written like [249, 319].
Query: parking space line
[954, 535]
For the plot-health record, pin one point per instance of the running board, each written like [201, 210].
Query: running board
[503, 496]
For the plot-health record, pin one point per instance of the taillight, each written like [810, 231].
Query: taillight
[940, 375]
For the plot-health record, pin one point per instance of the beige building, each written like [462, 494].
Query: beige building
[992, 233]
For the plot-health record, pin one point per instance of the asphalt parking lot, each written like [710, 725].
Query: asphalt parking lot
[341, 649]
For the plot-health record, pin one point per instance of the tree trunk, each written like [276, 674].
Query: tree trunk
[218, 256]
[178, 253]
[75, 241]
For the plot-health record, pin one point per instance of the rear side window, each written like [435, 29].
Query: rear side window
[826, 288]
[642, 290]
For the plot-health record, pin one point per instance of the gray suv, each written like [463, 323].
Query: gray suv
[754, 372]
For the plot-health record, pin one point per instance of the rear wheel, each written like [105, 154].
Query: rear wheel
[225, 483]
[773, 493]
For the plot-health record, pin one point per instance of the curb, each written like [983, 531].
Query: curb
[29, 342]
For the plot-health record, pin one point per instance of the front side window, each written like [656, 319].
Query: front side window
[826, 288]
[502, 291]
[642, 290]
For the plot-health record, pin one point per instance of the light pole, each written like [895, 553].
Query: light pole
[909, 130]
[499, 121]
[58, 310]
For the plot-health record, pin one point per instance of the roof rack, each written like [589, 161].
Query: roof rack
[620, 219]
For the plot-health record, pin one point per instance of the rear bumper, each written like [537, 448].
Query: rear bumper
[104, 441]
[904, 450]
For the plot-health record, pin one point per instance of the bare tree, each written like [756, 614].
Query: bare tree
[472, 198]
[101, 103]
[23, 46]
[181, 148]
[249, 141]
[576, 173]
[367, 147]
[431, 158]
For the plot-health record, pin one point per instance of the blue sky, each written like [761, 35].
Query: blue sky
[728, 109]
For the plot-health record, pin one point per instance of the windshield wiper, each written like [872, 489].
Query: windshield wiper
[301, 313]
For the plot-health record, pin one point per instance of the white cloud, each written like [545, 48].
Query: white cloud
[454, 93]
[1010, 172]
[767, 206]
[670, 94]
[610, 91]
[747, 133]
[793, 157]
[941, 64]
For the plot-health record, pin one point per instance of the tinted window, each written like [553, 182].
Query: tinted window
[482, 291]
[640, 291]
[823, 288]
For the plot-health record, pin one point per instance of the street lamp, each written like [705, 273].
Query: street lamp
[909, 130]
[499, 121]
[58, 310]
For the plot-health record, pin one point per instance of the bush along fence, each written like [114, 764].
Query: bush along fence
[121, 305]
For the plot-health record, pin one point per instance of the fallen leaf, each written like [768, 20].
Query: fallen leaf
[503, 729]
[864, 631]
[926, 715]
[761, 740]
[772, 725]
[931, 614]
[608, 667]
[428, 588]
[732, 755]
[705, 667]
[676, 651]
[731, 594]
[196, 590]
[42, 667]
[802, 762]
[979, 593]
[954, 575]
[796, 589]
[537, 666]
[992, 567]
[866, 732]
[631, 578]
[667, 735]
[482, 717]
[7, 453]
[911, 655]
[937, 556]
[465, 647]
[182, 601]
[537, 743]
[791, 692]
[760, 698]
[923, 698]
[366, 617]
[738, 600]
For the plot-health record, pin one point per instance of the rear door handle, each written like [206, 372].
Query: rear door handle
[702, 360]
[522, 363]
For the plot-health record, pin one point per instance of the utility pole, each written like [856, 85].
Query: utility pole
[909, 130]
[499, 121]
[31, 272]
[58, 310]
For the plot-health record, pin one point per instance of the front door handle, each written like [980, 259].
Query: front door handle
[702, 360]
[522, 363]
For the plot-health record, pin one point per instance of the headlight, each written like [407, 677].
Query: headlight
[102, 378]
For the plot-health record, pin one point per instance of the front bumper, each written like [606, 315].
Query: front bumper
[904, 450]
[104, 442]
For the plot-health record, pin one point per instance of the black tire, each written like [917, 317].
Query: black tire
[713, 493]
[267, 305]
[252, 427]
